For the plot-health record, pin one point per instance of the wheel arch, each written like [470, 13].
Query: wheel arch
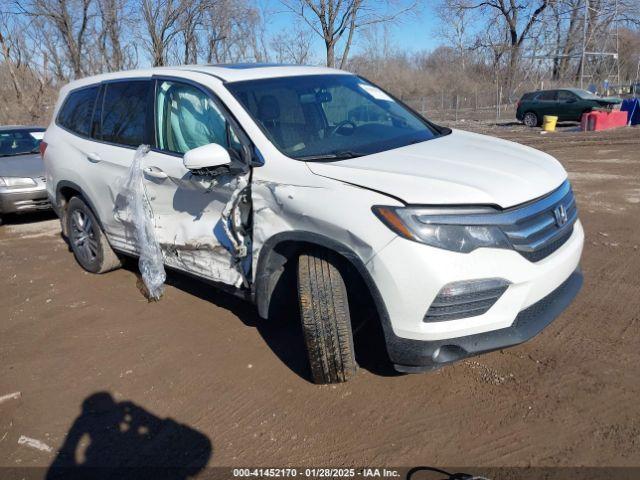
[66, 189]
[285, 246]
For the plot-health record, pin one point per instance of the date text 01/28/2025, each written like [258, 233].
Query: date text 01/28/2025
[314, 473]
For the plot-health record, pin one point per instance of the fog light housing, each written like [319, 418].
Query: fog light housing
[464, 299]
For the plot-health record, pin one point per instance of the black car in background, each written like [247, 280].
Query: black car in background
[568, 104]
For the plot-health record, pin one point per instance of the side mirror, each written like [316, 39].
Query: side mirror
[207, 156]
[572, 100]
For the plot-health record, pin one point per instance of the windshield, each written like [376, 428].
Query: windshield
[586, 94]
[325, 117]
[20, 142]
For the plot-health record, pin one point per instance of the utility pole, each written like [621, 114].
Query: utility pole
[584, 41]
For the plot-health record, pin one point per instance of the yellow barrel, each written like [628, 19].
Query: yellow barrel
[549, 123]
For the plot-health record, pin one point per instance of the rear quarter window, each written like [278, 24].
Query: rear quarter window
[77, 110]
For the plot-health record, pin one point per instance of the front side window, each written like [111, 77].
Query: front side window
[124, 112]
[188, 118]
[75, 114]
[20, 142]
[316, 117]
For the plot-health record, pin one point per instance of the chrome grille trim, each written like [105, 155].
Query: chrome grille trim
[539, 228]
[530, 227]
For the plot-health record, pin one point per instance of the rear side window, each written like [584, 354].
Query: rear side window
[75, 114]
[549, 95]
[125, 112]
[527, 96]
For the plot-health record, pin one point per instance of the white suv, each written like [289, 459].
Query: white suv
[462, 243]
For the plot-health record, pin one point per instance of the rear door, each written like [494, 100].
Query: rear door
[188, 208]
[121, 123]
[547, 103]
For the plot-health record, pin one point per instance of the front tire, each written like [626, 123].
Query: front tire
[326, 323]
[87, 240]
[530, 119]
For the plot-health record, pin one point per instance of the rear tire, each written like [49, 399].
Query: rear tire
[87, 240]
[530, 119]
[326, 323]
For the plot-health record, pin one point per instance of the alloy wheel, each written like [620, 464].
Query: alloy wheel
[83, 236]
[530, 119]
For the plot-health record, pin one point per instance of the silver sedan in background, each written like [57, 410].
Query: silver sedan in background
[22, 182]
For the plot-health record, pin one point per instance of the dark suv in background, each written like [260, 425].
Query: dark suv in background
[568, 104]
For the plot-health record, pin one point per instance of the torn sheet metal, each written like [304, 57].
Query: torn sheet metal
[205, 230]
[281, 207]
[135, 212]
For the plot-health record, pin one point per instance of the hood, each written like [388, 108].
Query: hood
[461, 168]
[29, 165]
[614, 100]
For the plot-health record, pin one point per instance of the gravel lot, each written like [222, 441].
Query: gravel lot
[199, 372]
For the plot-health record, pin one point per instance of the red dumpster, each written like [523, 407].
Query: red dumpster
[603, 120]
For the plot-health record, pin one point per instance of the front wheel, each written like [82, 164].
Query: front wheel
[326, 323]
[530, 119]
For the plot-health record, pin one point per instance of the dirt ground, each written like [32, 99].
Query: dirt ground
[199, 366]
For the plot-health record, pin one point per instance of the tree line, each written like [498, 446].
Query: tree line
[485, 45]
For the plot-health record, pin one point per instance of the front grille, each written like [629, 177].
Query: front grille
[33, 205]
[547, 250]
[538, 228]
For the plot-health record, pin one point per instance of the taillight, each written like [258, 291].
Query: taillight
[43, 148]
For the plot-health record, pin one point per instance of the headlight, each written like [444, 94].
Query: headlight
[17, 182]
[443, 228]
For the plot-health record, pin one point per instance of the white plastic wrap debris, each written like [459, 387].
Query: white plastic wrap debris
[136, 212]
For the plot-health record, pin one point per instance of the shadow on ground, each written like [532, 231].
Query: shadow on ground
[121, 440]
[283, 331]
[25, 218]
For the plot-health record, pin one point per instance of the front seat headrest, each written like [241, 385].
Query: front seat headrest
[268, 109]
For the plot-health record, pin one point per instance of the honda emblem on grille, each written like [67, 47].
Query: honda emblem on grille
[561, 215]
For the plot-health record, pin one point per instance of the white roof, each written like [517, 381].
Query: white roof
[225, 72]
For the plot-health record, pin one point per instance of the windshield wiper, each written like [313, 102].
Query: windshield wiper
[336, 155]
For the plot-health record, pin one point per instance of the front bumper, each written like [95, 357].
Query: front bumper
[23, 200]
[410, 355]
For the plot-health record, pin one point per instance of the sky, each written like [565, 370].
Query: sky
[414, 32]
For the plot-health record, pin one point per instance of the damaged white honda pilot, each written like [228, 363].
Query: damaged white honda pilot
[257, 174]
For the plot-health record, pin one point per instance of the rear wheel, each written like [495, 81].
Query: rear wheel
[87, 240]
[530, 119]
[326, 323]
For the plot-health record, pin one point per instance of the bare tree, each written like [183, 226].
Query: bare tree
[162, 21]
[333, 19]
[31, 87]
[70, 20]
[292, 48]
[115, 52]
[507, 25]
[234, 31]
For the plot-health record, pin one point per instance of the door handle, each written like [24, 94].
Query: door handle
[155, 172]
[93, 157]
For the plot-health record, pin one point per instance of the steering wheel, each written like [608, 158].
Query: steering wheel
[333, 130]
